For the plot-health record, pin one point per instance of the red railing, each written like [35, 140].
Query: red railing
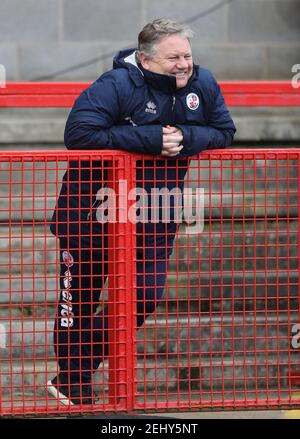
[63, 94]
[226, 332]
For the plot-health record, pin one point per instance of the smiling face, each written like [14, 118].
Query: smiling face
[173, 56]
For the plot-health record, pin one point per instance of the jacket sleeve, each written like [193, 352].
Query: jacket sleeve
[218, 133]
[94, 122]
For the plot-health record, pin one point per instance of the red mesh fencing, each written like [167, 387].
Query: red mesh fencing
[200, 281]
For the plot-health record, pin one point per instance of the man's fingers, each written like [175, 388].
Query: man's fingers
[169, 154]
[172, 138]
[172, 147]
[171, 151]
[170, 130]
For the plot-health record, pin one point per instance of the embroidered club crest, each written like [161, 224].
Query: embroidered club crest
[192, 101]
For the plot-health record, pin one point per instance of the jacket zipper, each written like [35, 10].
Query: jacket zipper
[173, 103]
[172, 114]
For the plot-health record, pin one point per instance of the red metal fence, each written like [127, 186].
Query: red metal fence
[226, 333]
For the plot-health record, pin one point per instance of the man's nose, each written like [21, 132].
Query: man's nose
[182, 63]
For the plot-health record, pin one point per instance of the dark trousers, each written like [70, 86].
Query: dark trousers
[81, 334]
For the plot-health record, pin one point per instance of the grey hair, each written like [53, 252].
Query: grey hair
[158, 29]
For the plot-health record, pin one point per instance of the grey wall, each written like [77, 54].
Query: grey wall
[245, 39]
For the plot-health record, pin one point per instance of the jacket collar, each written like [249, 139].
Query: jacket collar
[164, 83]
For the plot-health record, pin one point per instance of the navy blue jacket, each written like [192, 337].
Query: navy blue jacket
[126, 108]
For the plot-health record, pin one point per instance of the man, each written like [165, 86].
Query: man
[154, 101]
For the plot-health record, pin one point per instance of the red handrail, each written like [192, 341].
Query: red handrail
[63, 94]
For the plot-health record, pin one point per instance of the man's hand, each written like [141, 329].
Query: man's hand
[172, 138]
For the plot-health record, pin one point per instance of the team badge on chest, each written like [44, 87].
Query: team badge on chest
[192, 101]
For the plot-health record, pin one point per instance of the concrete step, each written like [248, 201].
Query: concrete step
[203, 360]
[44, 125]
[206, 335]
[25, 246]
[263, 255]
[207, 379]
[231, 188]
[228, 289]
[40, 199]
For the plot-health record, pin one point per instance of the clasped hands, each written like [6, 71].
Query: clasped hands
[172, 138]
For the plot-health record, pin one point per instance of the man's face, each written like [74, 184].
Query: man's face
[173, 57]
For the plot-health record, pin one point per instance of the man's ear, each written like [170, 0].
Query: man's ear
[144, 60]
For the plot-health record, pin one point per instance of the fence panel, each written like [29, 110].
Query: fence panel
[29, 277]
[203, 279]
[226, 334]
